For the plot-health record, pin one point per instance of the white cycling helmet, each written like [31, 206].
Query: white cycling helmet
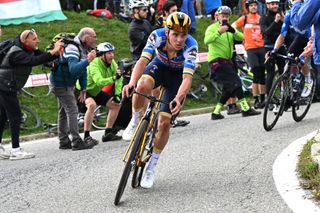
[138, 3]
[271, 1]
[105, 47]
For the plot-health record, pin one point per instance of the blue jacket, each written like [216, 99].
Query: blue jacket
[305, 14]
[72, 67]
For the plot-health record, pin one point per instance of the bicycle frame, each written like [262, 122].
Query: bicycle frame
[150, 115]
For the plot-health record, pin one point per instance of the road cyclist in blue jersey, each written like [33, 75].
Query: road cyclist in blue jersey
[169, 60]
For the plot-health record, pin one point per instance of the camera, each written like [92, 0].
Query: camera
[224, 22]
[120, 66]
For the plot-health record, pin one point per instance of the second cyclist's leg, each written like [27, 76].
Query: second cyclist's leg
[88, 118]
[145, 85]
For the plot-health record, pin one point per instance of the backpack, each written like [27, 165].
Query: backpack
[5, 46]
[67, 38]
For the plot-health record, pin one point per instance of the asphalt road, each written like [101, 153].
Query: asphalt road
[208, 166]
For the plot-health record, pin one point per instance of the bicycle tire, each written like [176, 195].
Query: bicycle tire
[133, 155]
[100, 117]
[138, 170]
[305, 102]
[276, 99]
[29, 119]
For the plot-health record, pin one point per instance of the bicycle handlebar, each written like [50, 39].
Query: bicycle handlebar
[286, 57]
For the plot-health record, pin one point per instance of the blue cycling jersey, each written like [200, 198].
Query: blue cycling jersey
[185, 59]
[287, 25]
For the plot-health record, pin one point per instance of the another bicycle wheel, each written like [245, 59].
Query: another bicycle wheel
[100, 117]
[302, 105]
[147, 151]
[274, 105]
[130, 164]
[29, 118]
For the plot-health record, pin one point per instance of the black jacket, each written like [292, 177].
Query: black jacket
[139, 31]
[270, 29]
[17, 66]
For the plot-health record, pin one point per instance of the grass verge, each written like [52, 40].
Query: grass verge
[308, 170]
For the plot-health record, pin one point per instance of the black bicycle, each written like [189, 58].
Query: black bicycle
[140, 145]
[286, 93]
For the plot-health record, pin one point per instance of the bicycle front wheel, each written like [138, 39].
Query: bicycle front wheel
[29, 118]
[131, 162]
[302, 105]
[274, 105]
[146, 154]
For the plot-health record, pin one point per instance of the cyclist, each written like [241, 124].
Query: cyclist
[253, 43]
[139, 28]
[303, 16]
[271, 27]
[102, 71]
[220, 38]
[168, 59]
[300, 41]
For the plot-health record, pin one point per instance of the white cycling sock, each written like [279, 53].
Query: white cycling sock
[153, 161]
[307, 77]
[136, 117]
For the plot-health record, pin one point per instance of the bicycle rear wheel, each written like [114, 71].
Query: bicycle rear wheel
[147, 151]
[274, 105]
[131, 162]
[302, 105]
[29, 118]
[100, 117]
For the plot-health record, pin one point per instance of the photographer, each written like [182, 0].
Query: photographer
[73, 67]
[271, 25]
[14, 72]
[103, 71]
[220, 38]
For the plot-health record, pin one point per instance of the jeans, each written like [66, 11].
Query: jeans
[188, 8]
[68, 114]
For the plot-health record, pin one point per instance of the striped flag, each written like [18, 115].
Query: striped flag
[29, 11]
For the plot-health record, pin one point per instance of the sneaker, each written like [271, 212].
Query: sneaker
[307, 89]
[147, 180]
[180, 123]
[275, 109]
[80, 144]
[216, 116]
[110, 137]
[91, 141]
[3, 153]
[20, 154]
[250, 112]
[65, 145]
[129, 131]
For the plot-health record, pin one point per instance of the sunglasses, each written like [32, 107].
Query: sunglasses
[31, 31]
[145, 9]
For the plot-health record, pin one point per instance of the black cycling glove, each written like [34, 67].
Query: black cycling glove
[231, 29]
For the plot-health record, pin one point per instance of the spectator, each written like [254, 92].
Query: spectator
[254, 45]
[220, 38]
[168, 8]
[73, 67]
[271, 27]
[14, 72]
[199, 7]
[188, 8]
[262, 8]
[102, 71]
[99, 4]
[211, 7]
[139, 28]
